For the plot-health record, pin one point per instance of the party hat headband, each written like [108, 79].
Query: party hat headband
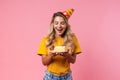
[68, 12]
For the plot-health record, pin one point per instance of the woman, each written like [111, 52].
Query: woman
[58, 64]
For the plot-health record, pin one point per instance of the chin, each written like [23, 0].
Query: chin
[60, 34]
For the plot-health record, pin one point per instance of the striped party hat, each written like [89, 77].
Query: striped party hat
[68, 12]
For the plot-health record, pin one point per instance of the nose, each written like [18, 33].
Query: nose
[59, 25]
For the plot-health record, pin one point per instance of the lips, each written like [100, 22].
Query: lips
[59, 30]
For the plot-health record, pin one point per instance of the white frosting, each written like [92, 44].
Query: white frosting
[59, 49]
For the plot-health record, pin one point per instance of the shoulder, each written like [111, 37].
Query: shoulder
[45, 38]
[74, 36]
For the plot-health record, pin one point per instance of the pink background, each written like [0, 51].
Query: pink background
[95, 22]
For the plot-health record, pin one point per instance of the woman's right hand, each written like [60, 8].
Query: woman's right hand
[52, 53]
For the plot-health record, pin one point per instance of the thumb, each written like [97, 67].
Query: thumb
[67, 50]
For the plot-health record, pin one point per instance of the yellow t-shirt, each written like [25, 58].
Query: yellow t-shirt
[60, 64]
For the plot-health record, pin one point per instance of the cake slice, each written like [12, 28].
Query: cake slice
[59, 49]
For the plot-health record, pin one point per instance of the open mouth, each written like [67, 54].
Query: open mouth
[59, 30]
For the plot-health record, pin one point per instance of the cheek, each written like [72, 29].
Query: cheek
[64, 26]
[54, 26]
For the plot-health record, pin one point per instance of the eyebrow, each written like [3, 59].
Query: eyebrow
[58, 21]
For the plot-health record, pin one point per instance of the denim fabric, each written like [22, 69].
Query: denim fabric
[49, 76]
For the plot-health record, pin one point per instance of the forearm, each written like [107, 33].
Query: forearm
[46, 59]
[72, 58]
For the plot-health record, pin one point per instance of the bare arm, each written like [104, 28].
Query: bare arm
[47, 59]
[71, 58]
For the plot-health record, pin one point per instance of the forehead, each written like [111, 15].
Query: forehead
[59, 18]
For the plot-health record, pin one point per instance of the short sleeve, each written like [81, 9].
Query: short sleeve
[42, 49]
[77, 45]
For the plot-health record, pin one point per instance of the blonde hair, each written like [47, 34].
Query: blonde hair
[67, 35]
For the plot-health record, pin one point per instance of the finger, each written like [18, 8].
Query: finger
[67, 50]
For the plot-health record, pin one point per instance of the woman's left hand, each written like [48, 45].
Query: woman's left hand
[71, 58]
[65, 54]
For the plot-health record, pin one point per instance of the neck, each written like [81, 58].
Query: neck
[57, 36]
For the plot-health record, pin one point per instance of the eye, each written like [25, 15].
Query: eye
[55, 22]
[63, 23]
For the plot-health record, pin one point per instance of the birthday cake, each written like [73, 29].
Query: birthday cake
[59, 49]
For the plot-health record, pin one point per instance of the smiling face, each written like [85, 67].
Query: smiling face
[59, 25]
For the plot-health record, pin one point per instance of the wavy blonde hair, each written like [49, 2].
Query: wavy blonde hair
[67, 35]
